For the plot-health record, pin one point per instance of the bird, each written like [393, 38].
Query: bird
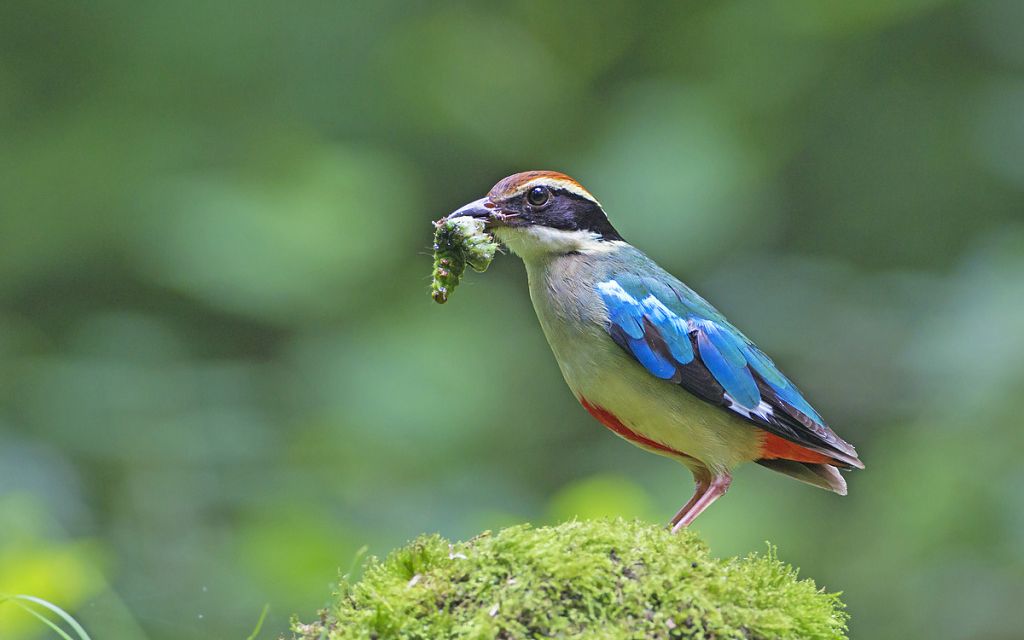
[647, 356]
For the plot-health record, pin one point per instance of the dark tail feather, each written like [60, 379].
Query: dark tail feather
[820, 475]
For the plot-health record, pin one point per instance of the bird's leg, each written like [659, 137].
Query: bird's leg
[703, 481]
[718, 486]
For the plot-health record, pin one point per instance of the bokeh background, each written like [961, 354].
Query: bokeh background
[221, 375]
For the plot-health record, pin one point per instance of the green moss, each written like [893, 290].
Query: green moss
[596, 579]
[458, 242]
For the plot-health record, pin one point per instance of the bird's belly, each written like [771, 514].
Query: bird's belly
[654, 414]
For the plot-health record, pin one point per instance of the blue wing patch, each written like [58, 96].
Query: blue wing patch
[653, 361]
[663, 334]
[727, 365]
[676, 335]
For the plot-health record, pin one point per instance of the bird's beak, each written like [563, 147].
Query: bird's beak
[482, 208]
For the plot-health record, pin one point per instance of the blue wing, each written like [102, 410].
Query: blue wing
[677, 336]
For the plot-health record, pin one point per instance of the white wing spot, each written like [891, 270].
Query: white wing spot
[614, 290]
[763, 410]
[659, 312]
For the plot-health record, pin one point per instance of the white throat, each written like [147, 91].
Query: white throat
[530, 243]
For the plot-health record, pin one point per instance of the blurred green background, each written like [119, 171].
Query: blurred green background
[221, 374]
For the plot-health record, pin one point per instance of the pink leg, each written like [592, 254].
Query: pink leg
[703, 482]
[719, 485]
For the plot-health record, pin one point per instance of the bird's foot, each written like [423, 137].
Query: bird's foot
[705, 493]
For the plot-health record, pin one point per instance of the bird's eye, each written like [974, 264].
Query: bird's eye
[538, 196]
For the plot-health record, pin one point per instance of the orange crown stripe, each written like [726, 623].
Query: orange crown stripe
[520, 182]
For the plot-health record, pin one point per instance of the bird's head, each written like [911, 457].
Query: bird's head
[543, 213]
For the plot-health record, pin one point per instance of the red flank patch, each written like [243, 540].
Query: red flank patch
[608, 419]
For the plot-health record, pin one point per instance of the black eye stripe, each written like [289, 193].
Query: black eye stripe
[564, 209]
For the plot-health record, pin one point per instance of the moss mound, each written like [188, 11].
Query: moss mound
[595, 580]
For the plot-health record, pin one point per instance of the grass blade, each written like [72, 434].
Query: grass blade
[64, 615]
[259, 623]
[50, 623]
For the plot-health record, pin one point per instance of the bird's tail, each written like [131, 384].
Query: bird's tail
[819, 474]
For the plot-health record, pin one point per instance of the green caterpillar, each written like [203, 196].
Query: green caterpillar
[458, 242]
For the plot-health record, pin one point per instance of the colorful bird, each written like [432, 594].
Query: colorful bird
[648, 357]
